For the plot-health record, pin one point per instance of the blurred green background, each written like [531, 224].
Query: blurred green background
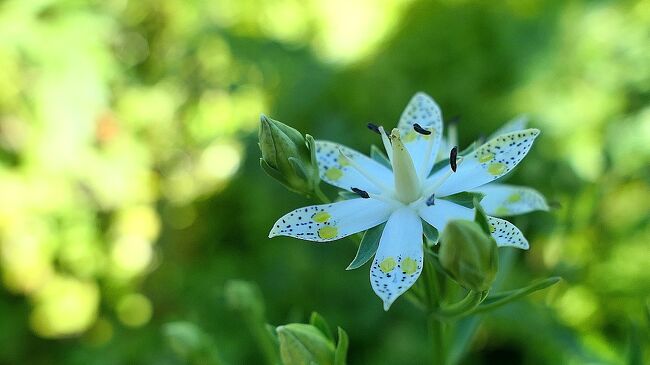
[130, 189]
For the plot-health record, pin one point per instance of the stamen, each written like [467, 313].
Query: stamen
[432, 188]
[361, 193]
[452, 158]
[365, 174]
[421, 130]
[387, 144]
[374, 127]
[431, 200]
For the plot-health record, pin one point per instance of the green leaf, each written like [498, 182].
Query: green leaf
[431, 233]
[341, 352]
[481, 217]
[368, 246]
[319, 322]
[438, 165]
[465, 198]
[379, 156]
[499, 299]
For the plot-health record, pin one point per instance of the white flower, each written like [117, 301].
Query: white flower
[409, 193]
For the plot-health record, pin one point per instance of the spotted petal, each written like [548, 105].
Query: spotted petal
[422, 148]
[442, 211]
[329, 222]
[504, 200]
[516, 124]
[490, 161]
[507, 234]
[336, 170]
[399, 258]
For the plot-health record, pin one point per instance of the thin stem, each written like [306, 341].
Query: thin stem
[321, 196]
[437, 335]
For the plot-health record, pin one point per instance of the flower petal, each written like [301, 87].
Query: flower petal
[442, 211]
[329, 222]
[398, 261]
[335, 170]
[423, 148]
[507, 234]
[492, 160]
[516, 124]
[504, 200]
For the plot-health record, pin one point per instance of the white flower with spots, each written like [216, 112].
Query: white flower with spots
[408, 192]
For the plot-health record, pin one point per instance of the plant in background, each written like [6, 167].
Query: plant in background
[407, 200]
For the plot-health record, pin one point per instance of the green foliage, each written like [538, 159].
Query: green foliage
[367, 247]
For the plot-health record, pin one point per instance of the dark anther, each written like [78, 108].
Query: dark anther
[374, 127]
[454, 120]
[362, 193]
[452, 158]
[421, 130]
[431, 200]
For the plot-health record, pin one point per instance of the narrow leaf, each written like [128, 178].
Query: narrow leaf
[341, 352]
[319, 322]
[431, 233]
[480, 217]
[465, 198]
[499, 299]
[438, 165]
[379, 156]
[368, 246]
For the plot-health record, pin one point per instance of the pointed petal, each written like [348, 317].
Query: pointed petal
[516, 124]
[492, 160]
[507, 234]
[329, 222]
[398, 261]
[423, 148]
[504, 200]
[335, 170]
[442, 211]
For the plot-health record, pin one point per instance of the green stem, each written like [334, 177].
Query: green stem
[437, 335]
[436, 327]
[321, 196]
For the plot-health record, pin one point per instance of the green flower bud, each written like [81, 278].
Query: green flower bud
[469, 255]
[304, 344]
[288, 156]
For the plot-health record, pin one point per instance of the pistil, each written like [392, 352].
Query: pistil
[407, 184]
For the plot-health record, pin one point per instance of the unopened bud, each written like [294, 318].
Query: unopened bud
[304, 344]
[287, 156]
[469, 255]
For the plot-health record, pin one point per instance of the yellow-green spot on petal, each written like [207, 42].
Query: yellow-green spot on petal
[387, 265]
[409, 266]
[321, 217]
[486, 157]
[410, 136]
[492, 228]
[502, 211]
[333, 173]
[514, 198]
[342, 161]
[328, 232]
[496, 168]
